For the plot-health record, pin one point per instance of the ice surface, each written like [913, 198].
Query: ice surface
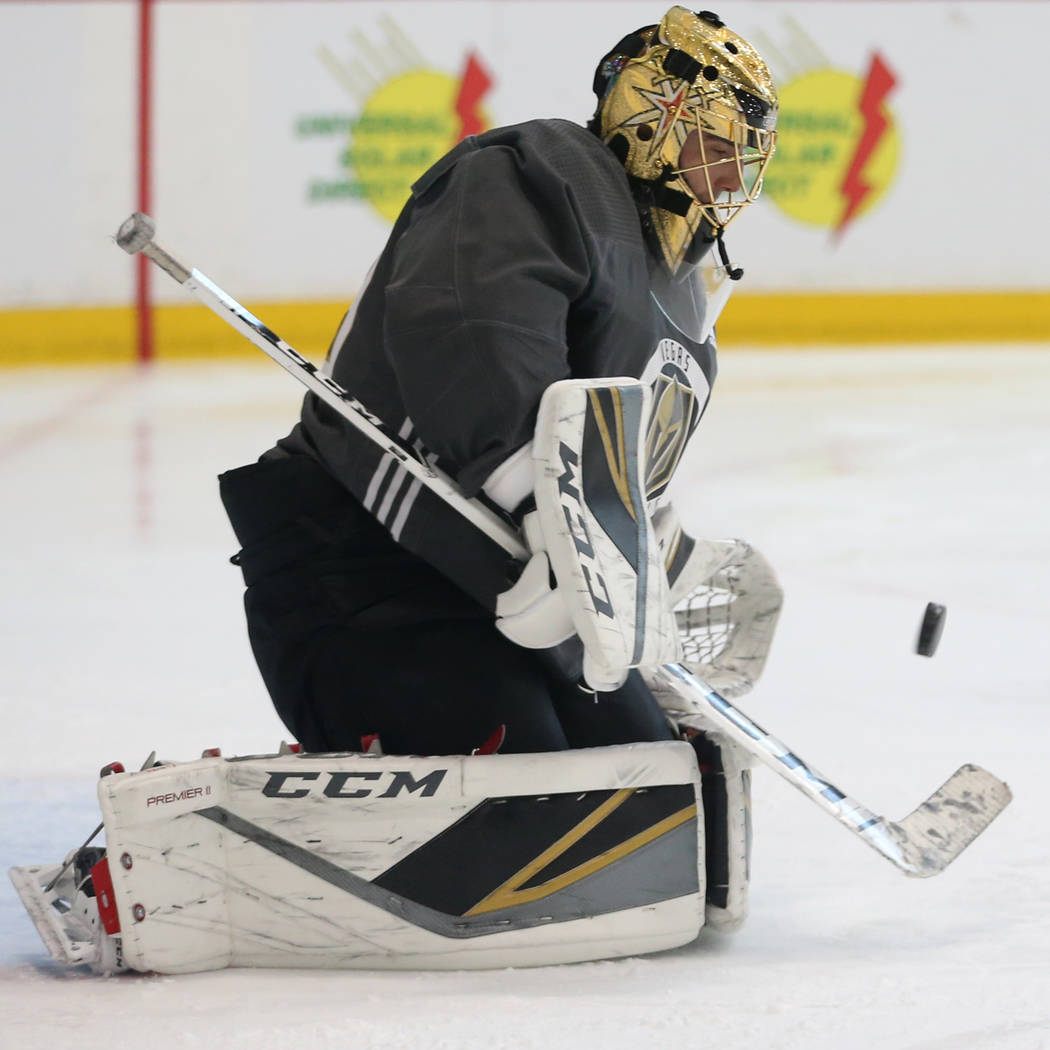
[874, 481]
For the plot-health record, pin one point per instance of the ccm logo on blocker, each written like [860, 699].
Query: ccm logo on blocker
[348, 784]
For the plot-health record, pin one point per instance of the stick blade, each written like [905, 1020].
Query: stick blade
[932, 836]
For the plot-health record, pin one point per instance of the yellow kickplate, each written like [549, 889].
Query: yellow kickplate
[108, 334]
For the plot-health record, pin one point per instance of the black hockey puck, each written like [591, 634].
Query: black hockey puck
[931, 630]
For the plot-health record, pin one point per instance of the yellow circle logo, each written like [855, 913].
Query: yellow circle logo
[837, 146]
[408, 124]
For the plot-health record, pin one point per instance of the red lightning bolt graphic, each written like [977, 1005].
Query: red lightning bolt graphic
[473, 87]
[854, 188]
[671, 106]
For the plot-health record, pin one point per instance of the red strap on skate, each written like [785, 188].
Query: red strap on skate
[104, 896]
[493, 744]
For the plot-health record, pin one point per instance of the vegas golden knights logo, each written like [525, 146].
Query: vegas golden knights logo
[675, 413]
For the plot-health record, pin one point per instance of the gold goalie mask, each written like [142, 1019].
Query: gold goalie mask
[660, 85]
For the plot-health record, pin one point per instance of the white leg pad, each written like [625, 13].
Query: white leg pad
[406, 863]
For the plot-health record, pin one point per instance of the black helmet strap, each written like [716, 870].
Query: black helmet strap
[655, 193]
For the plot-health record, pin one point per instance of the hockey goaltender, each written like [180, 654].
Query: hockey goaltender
[540, 329]
[530, 264]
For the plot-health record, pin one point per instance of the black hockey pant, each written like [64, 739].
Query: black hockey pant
[354, 636]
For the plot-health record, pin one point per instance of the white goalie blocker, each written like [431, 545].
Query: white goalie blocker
[592, 530]
[347, 861]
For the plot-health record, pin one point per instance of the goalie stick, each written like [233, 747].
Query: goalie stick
[922, 844]
[136, 235]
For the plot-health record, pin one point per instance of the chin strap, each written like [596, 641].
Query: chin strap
[734, 272]
[655, 193]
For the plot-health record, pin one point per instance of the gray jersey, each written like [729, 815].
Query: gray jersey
[519, 260]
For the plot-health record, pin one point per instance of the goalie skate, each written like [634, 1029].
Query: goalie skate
[72, 908]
